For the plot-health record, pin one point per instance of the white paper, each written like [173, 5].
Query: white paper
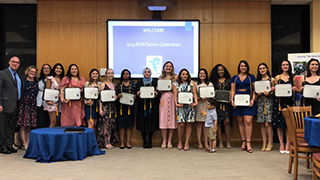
[261, 86]
[51, 95]
[72, 93]
[147, 92]
[310, 91]
[206, 92]
[185, 98]
[127, 99]
[108, 95]
[283, 90]
[222, 96]
[164, 85]
[242, 99]
[91, 92]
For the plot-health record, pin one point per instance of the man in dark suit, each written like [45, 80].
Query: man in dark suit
[10, 93]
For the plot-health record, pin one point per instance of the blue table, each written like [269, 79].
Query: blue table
[52, 144]
[312, 131]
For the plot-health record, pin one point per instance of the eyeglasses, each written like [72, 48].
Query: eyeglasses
[17, 62]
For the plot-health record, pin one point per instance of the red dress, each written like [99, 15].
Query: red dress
[72, 115]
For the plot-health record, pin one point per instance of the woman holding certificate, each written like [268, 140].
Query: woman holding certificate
[167, 108]
[148, 108]
[312, 79]
[107, 121]
[221, 80]
[265, 105]
[278, 121]
[125, 90]
[185, 97]
[242, 99]
[201, 110]
[91, 107]
[42, 115]
[71, 86]
[54, 108]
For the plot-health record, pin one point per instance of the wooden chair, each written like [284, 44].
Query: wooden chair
[296, 145]
[316, 166]
[299, 113]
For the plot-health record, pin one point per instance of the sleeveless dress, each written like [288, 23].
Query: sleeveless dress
[167, 111]
[202, 104]
[186, 113]
[278, 120]
[57, 105]
[224, 110]
[314, 103]
[245, 84]
[93, 109]
[265, 107]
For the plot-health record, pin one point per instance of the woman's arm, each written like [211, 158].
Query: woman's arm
[195, 95]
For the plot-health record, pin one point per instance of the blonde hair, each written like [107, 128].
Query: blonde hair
[29, 68]
[105, 74]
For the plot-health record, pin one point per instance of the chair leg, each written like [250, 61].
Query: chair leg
[290, 162]
[295, 166]
[314, 176]
[307, 160]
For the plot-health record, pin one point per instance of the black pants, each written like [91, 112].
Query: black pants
[8, 123]
[43, 119]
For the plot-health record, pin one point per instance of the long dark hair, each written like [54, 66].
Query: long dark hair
[122, 73]
[90, 78]
[308, 69]
[42, 76]
[206, 80]
[179, 81]
[62, 70]
[259, 76]
[69, 71]
[289, 71]
[247, 65]
[214, 76]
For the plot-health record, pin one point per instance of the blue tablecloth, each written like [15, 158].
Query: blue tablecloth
[312, 131]
[52, 144]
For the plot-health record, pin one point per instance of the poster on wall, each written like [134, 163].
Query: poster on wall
[299, 62]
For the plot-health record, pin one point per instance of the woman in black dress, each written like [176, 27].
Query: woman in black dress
[125, 113]
[148, 110]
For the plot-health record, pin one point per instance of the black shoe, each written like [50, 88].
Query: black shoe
[145, 145]
[129, 147]
[5, 151]
[121, 147]
[13, 150]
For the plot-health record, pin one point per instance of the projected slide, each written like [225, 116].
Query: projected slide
[135, 45]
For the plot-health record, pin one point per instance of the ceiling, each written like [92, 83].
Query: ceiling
[276, 2]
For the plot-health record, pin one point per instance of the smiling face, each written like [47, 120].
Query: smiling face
[74, 71]
[168, 68]
[14, 63]
[110, 74]
[58, 70]
[126, 75]
[285, 66]
[220, 71]
[46, 70]
[202, 75]
[314, 66]
[32, 73]
[147, 73]
[263, 70]
[94, 75]
[243, 68]
[184, 75]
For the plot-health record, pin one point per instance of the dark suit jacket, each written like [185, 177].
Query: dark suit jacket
[8, 91]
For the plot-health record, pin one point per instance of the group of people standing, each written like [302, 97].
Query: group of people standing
[22, 104]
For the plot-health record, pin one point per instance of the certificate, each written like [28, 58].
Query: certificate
[127, 99]
[222, 96]
[147, 92]
[164, 85]
[108, 95]
[261, 86]
[72, 93]
[310, 91]
[185, 98]
[206, 92]
[242, 99]
[51, 95]
[91, 92]
[283, 90]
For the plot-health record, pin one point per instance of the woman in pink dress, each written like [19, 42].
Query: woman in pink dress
[72, 111]
[167, 108]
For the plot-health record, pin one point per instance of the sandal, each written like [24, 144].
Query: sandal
[245, 147]
[221, 145]
[228, 145]
[249, 150]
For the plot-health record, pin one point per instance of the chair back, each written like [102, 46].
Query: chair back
[298, 115]
[290, 127]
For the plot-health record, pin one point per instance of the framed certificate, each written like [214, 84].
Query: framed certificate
[242, 99]
[91, 92]
[283, 90]
[108, 95]
[310, 91]
[185, 98]
[222, 95]
[261, 86]
[164, 85]
[206, 92]
[147, 92]
[51, 95]
[72, 93]
[127, 99]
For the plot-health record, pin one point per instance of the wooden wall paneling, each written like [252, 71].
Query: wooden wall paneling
[206, 47]
[67, 11]
[68, 43]
[102, 45]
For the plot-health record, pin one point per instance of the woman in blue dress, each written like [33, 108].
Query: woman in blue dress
[243, 83]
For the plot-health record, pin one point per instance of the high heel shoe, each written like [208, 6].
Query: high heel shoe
[245, 146]
[249, 150]
[269, 147]
[263, 146]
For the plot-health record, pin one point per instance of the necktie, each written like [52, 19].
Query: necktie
[14, 77]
